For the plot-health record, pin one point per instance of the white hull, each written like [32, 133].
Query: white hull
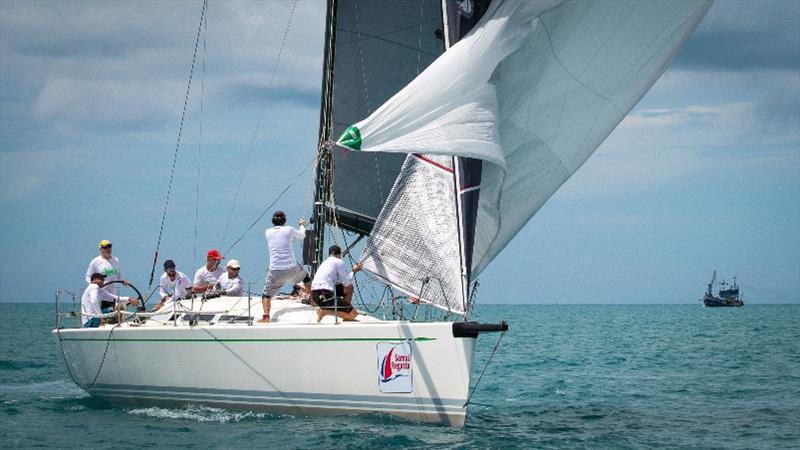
[289, 366]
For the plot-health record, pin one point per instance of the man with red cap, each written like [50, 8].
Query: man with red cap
[208, 275]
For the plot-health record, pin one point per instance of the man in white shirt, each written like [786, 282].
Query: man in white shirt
[172, 284]
[96, 300]
[283, 268]
[106, 264]
[230, 283]
[323, 289]
[208, 275]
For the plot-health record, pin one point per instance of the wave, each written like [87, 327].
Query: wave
[198, 413]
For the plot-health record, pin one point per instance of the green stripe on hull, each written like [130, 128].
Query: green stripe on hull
[419, 339]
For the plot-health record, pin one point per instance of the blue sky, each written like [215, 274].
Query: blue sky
[704, 174]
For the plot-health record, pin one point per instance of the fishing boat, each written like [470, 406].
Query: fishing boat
[456, 121]
[728, 294]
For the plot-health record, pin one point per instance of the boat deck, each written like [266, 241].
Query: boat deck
[224, 311]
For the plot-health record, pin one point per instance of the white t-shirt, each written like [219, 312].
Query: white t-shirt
[108, 267]
[330, 272]
[279, 243]
[204, 276]
[174, 288]
[92, 298]
[230, 286]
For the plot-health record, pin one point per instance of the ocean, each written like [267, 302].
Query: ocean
[564, 376]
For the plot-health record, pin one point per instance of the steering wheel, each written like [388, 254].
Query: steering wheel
[141, 306]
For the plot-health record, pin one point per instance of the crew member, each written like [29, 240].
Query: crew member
[323, 289]
[172, 284]
[283, 268]
[106, 264]
[230, 283]
[208, 275]
[96, 300]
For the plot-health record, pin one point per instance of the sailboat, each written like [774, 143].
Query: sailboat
[445, 125]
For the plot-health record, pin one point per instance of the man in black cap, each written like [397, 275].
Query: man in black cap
[172, 285]
[96, 301]
[283, 267]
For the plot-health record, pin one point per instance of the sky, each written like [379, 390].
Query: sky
[703, 175]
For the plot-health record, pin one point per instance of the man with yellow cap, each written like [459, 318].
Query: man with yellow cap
[106, 264]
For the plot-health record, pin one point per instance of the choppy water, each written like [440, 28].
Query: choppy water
[678, 376]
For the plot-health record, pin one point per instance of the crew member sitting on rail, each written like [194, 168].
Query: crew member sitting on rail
[96, 300]
[323, 289]
[230, 283]
[172, 284]
[208, 275]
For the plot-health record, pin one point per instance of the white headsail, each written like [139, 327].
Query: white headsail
[532, 91]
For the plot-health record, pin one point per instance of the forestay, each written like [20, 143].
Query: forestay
[532, 91]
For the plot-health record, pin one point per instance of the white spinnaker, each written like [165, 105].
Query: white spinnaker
[414, 245]
[532, 91]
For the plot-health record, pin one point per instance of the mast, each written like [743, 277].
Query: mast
[322, 176]
[458, 19]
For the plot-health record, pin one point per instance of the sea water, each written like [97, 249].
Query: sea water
[572, 376]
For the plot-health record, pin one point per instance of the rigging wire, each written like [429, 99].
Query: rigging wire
[178, 144]
[497, 344]
[264, 212]
[200, 142]
[252, 143]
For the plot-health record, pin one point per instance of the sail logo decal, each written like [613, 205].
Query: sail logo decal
[395, 371]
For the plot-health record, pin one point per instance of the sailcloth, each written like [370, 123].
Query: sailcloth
[532, 91]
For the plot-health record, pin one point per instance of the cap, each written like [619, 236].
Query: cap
[233, 263]
[169, 264]
[213, 253]
[97, 275]
[104, 243]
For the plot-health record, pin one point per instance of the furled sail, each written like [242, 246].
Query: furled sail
[532, 91]
[378, 48]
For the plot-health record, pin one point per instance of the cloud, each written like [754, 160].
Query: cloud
[102, 103]
[745, 36]
[22, 174]
[663, 146]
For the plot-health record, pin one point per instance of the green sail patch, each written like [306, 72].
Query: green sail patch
[351, 138]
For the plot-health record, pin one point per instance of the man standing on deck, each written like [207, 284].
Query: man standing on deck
[283, 268]
[323, 289]
[230, 283]
[208, 275]
[172, 284]
[106, 264]
[97, 300]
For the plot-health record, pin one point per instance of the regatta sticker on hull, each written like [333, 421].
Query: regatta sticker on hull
[394, 367]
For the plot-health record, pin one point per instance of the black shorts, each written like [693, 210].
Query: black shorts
[323, 298]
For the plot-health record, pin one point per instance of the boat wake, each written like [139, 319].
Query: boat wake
[201, 414]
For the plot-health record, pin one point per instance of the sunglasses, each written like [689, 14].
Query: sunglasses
[233, 268]
[107, 246]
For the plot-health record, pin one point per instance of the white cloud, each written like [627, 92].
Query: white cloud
[23, 174]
